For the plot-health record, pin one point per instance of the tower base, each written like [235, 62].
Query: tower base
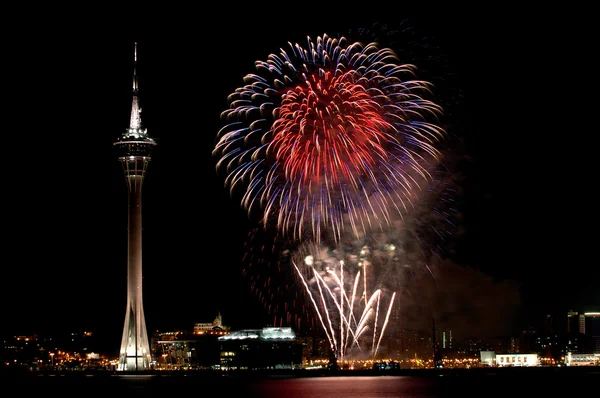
[134, 355]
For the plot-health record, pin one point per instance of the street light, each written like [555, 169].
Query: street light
[52, 359]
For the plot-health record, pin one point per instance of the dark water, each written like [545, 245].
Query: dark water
[470, 383]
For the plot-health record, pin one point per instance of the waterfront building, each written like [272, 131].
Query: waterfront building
[189, 349]
[582, 359]
[256, 349]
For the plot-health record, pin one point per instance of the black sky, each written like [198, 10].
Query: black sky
[527, 115]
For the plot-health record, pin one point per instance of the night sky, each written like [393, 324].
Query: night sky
[523, 94]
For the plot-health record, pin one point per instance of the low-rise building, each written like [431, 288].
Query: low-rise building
[266, 348]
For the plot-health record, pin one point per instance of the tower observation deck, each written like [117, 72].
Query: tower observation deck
[133, 150]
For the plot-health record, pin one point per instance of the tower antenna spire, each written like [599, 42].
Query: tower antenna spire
[135, 82]
[135, 123]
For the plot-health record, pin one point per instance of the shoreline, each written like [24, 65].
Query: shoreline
[591, 371]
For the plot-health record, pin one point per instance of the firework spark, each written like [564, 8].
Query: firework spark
[327, 136]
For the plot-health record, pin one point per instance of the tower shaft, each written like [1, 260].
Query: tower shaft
[134, 354]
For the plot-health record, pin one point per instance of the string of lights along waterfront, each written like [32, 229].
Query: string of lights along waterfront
[133, 149]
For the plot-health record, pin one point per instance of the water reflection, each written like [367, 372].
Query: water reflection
[347, 387]
[534, 382]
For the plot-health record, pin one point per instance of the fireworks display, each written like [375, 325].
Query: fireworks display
[336, 146]
[333, 135]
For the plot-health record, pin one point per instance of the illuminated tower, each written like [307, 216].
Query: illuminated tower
[133, 149]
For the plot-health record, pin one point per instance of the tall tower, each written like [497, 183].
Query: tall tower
[133, 149]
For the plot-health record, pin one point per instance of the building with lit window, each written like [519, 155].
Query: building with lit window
[197, 349]
[587, 325]
[503, 360]
[491, 358]
[582, 359]
[591, 328]
[254, 349]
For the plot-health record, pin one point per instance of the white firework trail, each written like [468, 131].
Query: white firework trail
[344, 309]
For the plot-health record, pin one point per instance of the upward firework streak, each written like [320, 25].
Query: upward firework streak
[339, 284]
[328, 134]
